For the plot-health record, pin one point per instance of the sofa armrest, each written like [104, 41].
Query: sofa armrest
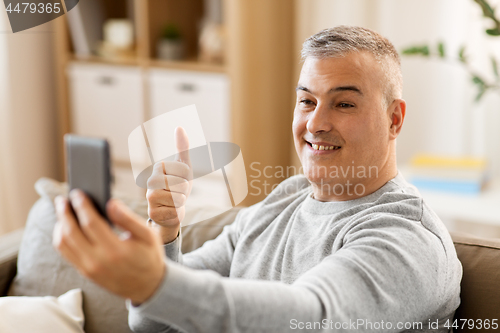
[480, 285]
[9, 247]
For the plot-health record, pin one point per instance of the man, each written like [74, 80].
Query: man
[348, 246]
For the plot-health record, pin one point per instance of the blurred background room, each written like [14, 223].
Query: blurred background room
[107, 66]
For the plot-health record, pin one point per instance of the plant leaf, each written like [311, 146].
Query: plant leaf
[480, 94]
[489, 12]
[461, 54]
[417, 50]
[487, 9]
[493, 32]
[441, 49]
[171, 31]
[494, 65]
[477, 80]
[410, 50]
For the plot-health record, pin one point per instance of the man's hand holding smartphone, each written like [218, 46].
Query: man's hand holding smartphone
[133, 266]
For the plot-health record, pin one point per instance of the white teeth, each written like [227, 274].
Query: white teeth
[318, 147]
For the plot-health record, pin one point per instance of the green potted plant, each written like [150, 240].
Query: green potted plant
[482, 83]
[171, 44]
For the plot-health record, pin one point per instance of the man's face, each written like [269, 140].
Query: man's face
[340, 126]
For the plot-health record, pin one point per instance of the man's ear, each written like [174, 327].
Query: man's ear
[397, 112]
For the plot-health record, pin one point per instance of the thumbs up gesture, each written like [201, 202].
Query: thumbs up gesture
[168, 189]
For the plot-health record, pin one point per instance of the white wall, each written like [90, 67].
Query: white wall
[27, 119]
[441, 117]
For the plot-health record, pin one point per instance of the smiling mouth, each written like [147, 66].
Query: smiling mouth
[320, 147]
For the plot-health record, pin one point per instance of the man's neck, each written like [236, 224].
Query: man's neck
[352, 189]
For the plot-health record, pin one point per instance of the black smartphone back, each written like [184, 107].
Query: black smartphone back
[88, 167]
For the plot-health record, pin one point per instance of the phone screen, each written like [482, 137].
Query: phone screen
[88, 167]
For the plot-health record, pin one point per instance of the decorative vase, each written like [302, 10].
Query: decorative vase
[170, 49]
[211, 43]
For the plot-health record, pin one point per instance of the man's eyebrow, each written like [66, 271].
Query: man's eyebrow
[347, 88]
[302, 88]
[337, 89]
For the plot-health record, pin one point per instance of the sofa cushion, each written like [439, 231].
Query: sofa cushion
[194, 235]
[45, 314]
[480, 286]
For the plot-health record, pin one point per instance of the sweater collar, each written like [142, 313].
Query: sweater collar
[317, 207]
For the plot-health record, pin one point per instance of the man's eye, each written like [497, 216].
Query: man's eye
[345, 105]
[306, 102]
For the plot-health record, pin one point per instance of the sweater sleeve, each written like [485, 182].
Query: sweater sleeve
[389, 270]
[215, 255]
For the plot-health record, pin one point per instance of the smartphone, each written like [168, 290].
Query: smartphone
[88, 168]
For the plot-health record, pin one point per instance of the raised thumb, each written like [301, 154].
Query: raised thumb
[182, 145]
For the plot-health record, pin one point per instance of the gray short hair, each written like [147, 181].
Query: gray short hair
[341, 40]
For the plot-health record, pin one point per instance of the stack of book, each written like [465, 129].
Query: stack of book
[448, 174]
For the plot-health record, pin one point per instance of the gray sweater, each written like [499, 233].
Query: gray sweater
[383, 262]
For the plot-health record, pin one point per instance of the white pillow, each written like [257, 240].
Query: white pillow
[22, 314]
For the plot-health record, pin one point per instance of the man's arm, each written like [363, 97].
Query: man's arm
[218, 241]
[389, 270]
[215, 255]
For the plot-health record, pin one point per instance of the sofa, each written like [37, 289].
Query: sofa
[29, 266]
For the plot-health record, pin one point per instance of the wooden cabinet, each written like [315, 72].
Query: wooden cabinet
[172, 89]
[106, 101]
[247, 100]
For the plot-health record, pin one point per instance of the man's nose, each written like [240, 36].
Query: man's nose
[319, 120]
